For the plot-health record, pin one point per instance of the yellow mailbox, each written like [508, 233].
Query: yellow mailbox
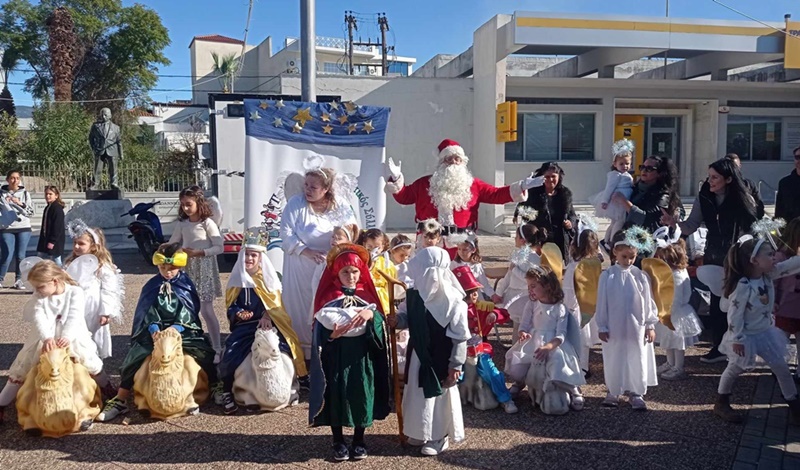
[507, 121]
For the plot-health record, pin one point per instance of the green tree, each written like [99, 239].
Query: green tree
[116, 56]
[12, 141]
[7, 64]
[226, 66]
[59, 136]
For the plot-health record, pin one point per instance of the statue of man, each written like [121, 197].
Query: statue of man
[106, 142]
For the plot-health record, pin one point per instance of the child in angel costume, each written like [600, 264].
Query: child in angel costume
[56, 312]
[91, 265]
[253, 298]
[512, 289]
[401, 249]
[582, 275]
[377, 244]
[618, 180]
[436, 316]
[787, 289]
[683, 326]
[168, 300]
[626, 318]
[482, 316]
[749, 295]
[350, 359]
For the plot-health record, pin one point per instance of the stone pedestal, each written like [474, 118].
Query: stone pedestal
[102, 213]
[104, 194]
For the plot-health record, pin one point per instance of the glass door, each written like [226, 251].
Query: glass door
[663, 137]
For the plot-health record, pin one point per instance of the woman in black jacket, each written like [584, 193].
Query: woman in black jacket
[553, 204]
[728, 210]
[51, 235]
[655, 191]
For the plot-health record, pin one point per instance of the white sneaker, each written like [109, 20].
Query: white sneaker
[665, 367]
[577, 403]
[19, 285]
[674, 374]
[637, 403]
[611, 401]
[432, 448]
[510, 407]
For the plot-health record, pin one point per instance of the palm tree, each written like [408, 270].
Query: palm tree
[226, 66]
[62, 42]
[9, 62]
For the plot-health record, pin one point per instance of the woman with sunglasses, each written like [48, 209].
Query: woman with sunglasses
[655, 191]
[728, 210]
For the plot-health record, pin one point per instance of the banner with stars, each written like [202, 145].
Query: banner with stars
[282, 135]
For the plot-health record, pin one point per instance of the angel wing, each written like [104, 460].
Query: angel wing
[551, 257]
[83, 268]
[292, 184]
[663, 286]
[587, 279]
[25, 267]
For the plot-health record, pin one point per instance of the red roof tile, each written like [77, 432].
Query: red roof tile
[216, 38]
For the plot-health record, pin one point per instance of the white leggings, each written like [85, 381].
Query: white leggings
[614, 227]
[675, 358]
[780, 369]
[212, 324]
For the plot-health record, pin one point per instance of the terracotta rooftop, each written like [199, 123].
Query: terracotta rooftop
[216, 38]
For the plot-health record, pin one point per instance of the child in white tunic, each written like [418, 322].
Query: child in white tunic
[436, 315]
[512, 289]
[56, 311]
[684, 325]
[626, 317]
[550, 335]
[469, 253]
[585, 245]
[750, 272]
[200, 238]
[92, 267]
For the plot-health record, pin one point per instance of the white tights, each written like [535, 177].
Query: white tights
[212, 324]
[675, 358]
[9, 393]
[780, 369]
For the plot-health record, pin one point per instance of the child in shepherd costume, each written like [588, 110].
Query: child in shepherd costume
[350, 361]
[168, 300]
[254, 301]
[436, 316]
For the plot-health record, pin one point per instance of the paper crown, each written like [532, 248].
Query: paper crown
[255, 238]
[466, 278]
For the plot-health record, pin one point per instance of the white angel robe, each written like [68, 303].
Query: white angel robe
[682, 315]
[625, 309]
[302, 229]
[56, 316]
[103, 289]
[589, 331]
[513, 288]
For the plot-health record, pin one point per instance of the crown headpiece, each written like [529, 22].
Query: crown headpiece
[255, 238]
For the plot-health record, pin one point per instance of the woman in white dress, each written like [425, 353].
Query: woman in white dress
[307, 223]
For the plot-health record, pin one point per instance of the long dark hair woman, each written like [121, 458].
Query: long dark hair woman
[727, 208]
[553, 204]
[655, 191]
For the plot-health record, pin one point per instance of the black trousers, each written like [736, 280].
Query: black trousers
[718, 321]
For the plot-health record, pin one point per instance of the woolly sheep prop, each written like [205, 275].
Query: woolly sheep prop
[266, 378]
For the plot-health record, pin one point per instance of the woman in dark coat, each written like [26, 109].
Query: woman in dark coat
[655, 191]
[553, 205]
[51, 235]
[727, 208]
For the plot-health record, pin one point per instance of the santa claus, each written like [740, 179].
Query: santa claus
[451, 194]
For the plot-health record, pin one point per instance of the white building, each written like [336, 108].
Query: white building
[177, 125]
[261, 68]
[583, 81]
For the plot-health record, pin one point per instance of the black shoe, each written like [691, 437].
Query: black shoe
[340, 452]
[34, 432]
[2, 415]
[305, 382]
[87, 425]
[144, 413]
[713, 356]
[229, 406]
[358, 452]
[587, 375]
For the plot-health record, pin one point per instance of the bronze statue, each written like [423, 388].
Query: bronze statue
[106, 142]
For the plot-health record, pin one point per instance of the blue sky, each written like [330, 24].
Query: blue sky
[418, 28]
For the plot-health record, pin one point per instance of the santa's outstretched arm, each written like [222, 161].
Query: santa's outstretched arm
[395, 183]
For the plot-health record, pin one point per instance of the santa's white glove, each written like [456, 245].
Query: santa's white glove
[392, 170]
[532, 182]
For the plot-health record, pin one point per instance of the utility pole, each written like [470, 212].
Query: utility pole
[383, 23]
[351, 25]
[666, 53]
[308, 51]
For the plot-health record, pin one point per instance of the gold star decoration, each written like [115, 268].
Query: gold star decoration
[368, 127]
[279, 104]
[297, 128]
[325, 117]
[303, 115]
[264, 105]
[351, 128]
[342, 119]
[277, 122]
[334, 105]
[254, 116]
[327, 129]
[351, 107]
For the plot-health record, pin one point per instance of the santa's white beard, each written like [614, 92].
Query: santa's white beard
[450, 190]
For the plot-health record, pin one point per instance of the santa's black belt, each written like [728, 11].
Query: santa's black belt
[447, 229]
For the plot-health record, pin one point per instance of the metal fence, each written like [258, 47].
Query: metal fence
[134, 177]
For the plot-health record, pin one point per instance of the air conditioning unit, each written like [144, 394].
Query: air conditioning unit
[291, 63]
[372, 71]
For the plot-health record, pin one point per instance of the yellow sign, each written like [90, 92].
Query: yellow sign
[507, 121]
[791, 50]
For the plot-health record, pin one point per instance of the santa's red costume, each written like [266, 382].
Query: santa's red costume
[451, 194]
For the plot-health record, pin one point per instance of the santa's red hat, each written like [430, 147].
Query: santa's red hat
[466, 278]
[450, 147]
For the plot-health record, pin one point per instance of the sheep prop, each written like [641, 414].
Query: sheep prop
[266, 378]
[58, 397]
[169, 383]
[475, 390]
